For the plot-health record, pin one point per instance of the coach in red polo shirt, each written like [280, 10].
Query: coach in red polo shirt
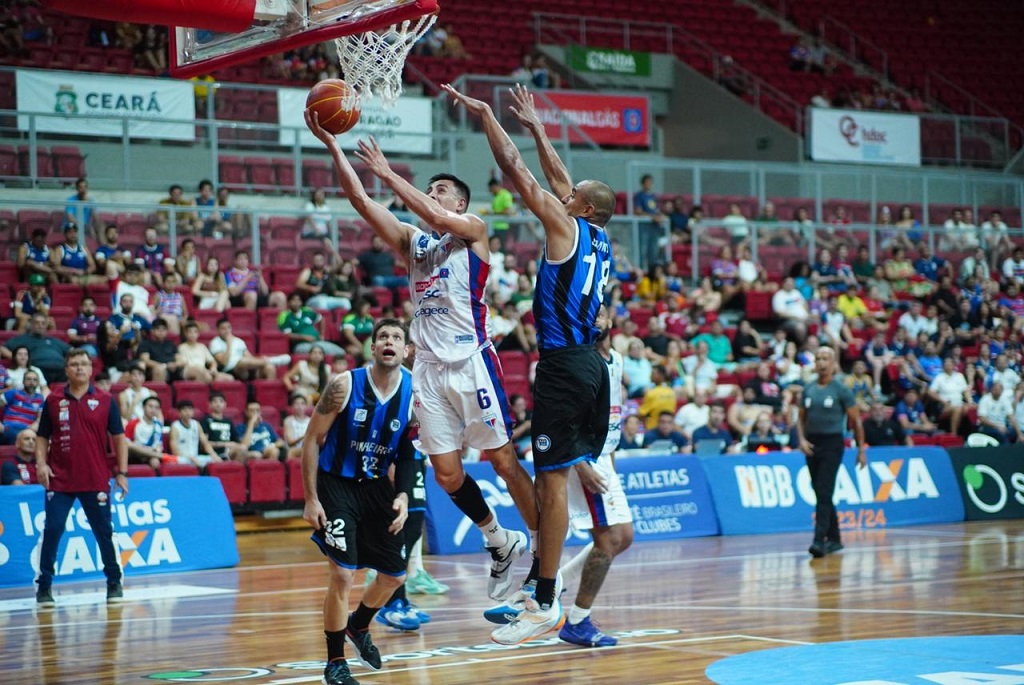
[71, 463]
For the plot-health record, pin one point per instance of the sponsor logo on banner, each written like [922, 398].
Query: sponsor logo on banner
[991, 480]
[165, 526]
[606, 119]
[609, 61]
[865, 137]
[407, 127]
[94, 104]
[899, 486]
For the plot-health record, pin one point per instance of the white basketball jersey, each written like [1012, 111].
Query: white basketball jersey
[611, 442]
[447, 282]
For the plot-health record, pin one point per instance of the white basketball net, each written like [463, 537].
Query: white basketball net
[372, 62]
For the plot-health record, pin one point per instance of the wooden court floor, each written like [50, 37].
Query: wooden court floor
[677, 608]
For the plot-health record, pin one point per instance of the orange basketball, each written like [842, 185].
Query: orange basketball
[336, 104]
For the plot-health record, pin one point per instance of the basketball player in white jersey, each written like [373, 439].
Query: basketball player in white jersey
[597, 503]
[457, 386]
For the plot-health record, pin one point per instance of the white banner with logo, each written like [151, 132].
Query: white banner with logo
[839, 135]
[86, 104]
[407, 127]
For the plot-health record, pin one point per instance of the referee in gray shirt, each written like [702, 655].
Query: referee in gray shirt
[827, 406]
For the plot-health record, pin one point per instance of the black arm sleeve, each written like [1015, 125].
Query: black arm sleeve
[405, 466]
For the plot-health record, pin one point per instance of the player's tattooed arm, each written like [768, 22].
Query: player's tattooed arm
[335, 395]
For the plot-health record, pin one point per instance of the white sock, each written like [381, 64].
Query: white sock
[495, 534]
[572, 570]
[416, 558]
[576, 614]
[533, 542]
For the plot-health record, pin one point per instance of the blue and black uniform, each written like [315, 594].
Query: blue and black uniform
[571, 395]
[369, 435]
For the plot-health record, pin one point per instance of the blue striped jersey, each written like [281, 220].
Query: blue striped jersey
[569, 292]
[364, 439]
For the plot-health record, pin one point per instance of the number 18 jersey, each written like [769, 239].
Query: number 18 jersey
[569, 292]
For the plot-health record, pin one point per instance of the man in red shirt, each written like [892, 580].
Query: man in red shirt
[22, 471]
[76, 427]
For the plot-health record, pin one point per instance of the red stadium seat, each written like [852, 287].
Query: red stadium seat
[178, 470]
[266, 481]
[296, 487]
[198, 393]
[140, 471]
[232, 478]
[270, 393]
[236, 393]
[273, 342]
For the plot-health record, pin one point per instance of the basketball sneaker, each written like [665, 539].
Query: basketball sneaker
[396, 614]
[422, 583]
[817, 549]
[502, 560]
[421, 616]
[338, 673]
[503, 614]
[585, 634]
[368, 652]
[115, 593]
[532, 622]
[44, 598]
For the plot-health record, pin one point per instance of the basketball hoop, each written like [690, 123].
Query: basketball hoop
[372, 62]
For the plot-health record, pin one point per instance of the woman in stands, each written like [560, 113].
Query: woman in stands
[307, 377]
[20, 365]
[318, 216]
[210, 287]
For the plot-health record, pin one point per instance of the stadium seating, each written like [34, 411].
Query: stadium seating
[232, 477]
[266, 481]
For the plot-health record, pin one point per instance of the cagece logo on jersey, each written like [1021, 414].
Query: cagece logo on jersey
[764, 485]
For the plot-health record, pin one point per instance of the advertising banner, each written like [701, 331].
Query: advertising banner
[668, 495]
[839, 135]
[406, 127]
[609, 61]
[85, 104]
[991, 481]
[606, 119]
[165, 524]
[772, 493]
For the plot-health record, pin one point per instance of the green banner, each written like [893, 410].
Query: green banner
[607, 61]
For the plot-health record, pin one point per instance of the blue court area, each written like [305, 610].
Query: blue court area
[968, 660]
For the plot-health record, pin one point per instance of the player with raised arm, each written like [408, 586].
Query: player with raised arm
[598, 504]
[571, 395]
[359, 430]
[457, 385]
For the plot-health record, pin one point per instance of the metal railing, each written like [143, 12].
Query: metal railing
[854, 45]
[686, 46]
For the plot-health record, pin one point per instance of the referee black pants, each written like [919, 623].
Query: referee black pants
[824, 467]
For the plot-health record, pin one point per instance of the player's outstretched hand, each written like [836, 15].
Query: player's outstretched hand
[313, 122]
[373, 157]
[524, 109]
[472, 105]
[314, 514]
[401, 509]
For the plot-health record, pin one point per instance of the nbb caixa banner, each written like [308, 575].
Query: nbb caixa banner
[772, 493]
[86, 104]
[668, 495]
[165, 524]
[839, 135]
[406, 127]
[991, 481]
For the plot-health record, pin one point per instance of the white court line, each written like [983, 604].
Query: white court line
[519, 657]
[816, 610]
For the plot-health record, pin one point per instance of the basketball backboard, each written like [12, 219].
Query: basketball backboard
[281, 25]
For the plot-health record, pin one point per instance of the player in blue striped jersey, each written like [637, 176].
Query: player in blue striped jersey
[358, 433]
[571, 394]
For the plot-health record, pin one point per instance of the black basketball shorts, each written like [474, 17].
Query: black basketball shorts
[358, 515]
[570, 407]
